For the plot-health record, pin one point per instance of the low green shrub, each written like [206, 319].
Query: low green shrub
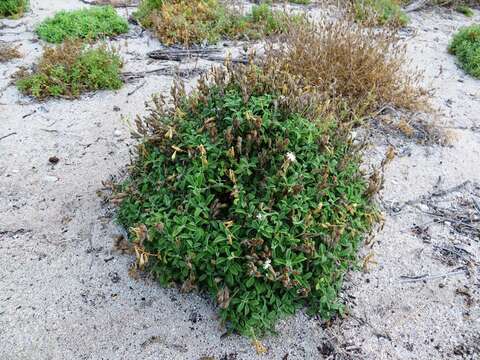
[466, 46]
[239, 197]
[189, 22]
[91, 24]
[13, 8]
[71, 69]
[379, 12]
[465, 10]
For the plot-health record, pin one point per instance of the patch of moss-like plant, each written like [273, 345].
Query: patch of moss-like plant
[91, 23]
[466, 46]
[237, 196]
[380, 12]
[13, 8]
[465, 10]
[188, 22]
[71, 69]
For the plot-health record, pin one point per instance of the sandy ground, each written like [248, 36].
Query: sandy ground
[66, 294]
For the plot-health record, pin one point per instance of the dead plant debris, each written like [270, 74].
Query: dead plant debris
[334, 66]
[9, 52]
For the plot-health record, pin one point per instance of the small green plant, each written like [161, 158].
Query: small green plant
[379, 12]
[465, 10]
[90, 24]
[71, 69]
[191, 22]
[466, 46]
[13, 8]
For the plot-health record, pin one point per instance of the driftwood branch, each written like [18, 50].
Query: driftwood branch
[425, 277]
[180, 54]
[434, 194]
[137, 88]
[114, 3]
[5, 136]
[167, 70]
[6, 26]
[211, 54]
[416, 5]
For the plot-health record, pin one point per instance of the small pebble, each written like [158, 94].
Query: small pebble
[114, 277]
[423, 207]
[117, 133]
[53, 160]
[51, 178]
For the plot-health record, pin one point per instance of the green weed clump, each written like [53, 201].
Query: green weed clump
[13, 8]
[466, 46]
[465, 10]
[91, 24]
[380, 12]
[190, 22]
[71, 69]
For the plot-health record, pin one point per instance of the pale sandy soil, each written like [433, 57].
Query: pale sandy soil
[66, 294]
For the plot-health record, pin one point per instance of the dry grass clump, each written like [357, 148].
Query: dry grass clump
[189, 22]
[8, 52]
[341, 69]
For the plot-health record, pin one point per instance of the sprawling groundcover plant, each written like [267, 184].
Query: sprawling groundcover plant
[237, 196]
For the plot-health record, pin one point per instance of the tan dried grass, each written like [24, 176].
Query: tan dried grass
[9, 52]
[339, 68]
